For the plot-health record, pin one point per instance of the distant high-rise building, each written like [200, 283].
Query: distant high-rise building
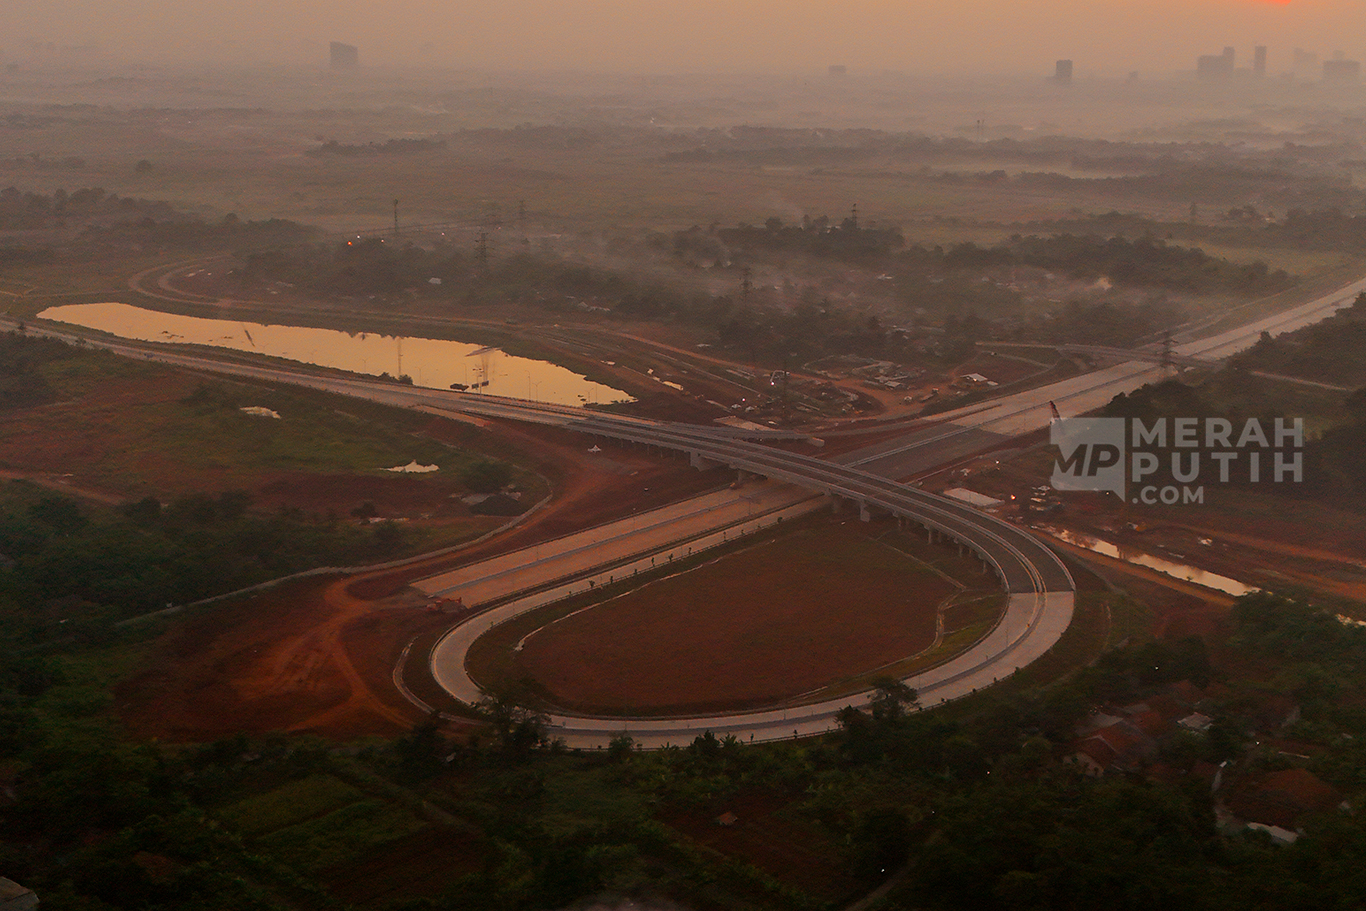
[837, 69]
[1341, 71]
[1259, 60]
[1062, 72]
[1305, 61]
[1215, 66]
[345, 56]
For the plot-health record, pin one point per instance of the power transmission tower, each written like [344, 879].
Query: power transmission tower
[787, 378]
[493, 216]
[481, 251]
[1166, 350]
[747, 288]
[396, 218]
[853, 218]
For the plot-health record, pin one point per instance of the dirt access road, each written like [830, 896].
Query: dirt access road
[318, 654]
[264, 681]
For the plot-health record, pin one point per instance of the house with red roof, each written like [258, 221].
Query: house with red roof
[1283, 799]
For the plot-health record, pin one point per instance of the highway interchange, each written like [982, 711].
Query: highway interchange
[1040, 588]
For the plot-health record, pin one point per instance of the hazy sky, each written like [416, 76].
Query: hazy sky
[699, 35]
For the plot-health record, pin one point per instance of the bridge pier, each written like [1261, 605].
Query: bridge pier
[701, 462]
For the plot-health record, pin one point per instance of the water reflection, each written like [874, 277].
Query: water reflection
[1138, 558]
[433, 363]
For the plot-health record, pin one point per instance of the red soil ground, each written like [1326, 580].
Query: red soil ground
[1178, 608]
[318, 654]
[95, 446]
[783, 618]
[1257, 537]
[315, 654]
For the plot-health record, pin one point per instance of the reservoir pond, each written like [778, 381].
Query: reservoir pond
[1171, 568]
[432, 363]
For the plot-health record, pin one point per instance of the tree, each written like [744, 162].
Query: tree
[891, 700]
[882, 840]
[232, 504]
[63, 516]
[872, 734]
[620, 748]
[487, 476]
[144, 512]
[965, 758]
[423, 749]
[519, 729]
[705, 747]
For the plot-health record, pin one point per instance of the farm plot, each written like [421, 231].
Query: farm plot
[364, 848]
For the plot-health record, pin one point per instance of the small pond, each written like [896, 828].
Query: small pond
[433, 363]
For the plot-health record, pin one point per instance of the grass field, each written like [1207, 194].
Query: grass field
[289, 805]
[343, 836]
[131, 430]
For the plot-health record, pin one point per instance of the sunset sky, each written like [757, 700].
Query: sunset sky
[699, 35]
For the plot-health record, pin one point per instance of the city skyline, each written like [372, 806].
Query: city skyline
[1104, 36]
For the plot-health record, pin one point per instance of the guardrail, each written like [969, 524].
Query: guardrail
[1021, 561]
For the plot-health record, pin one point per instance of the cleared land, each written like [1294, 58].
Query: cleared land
[124, 430]
[318, 655]
[774, 621]
[1258, 536]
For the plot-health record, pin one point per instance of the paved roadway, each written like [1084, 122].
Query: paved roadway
[976, 427]
[1019, 559]
[1040, 605]
[1001, 419]
[370, 388]
[1033, 621]
[659, 531]
[1031, 625]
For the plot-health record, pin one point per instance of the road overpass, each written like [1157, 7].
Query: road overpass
[1038, 610]
[1041, 592]
[1040, 603]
